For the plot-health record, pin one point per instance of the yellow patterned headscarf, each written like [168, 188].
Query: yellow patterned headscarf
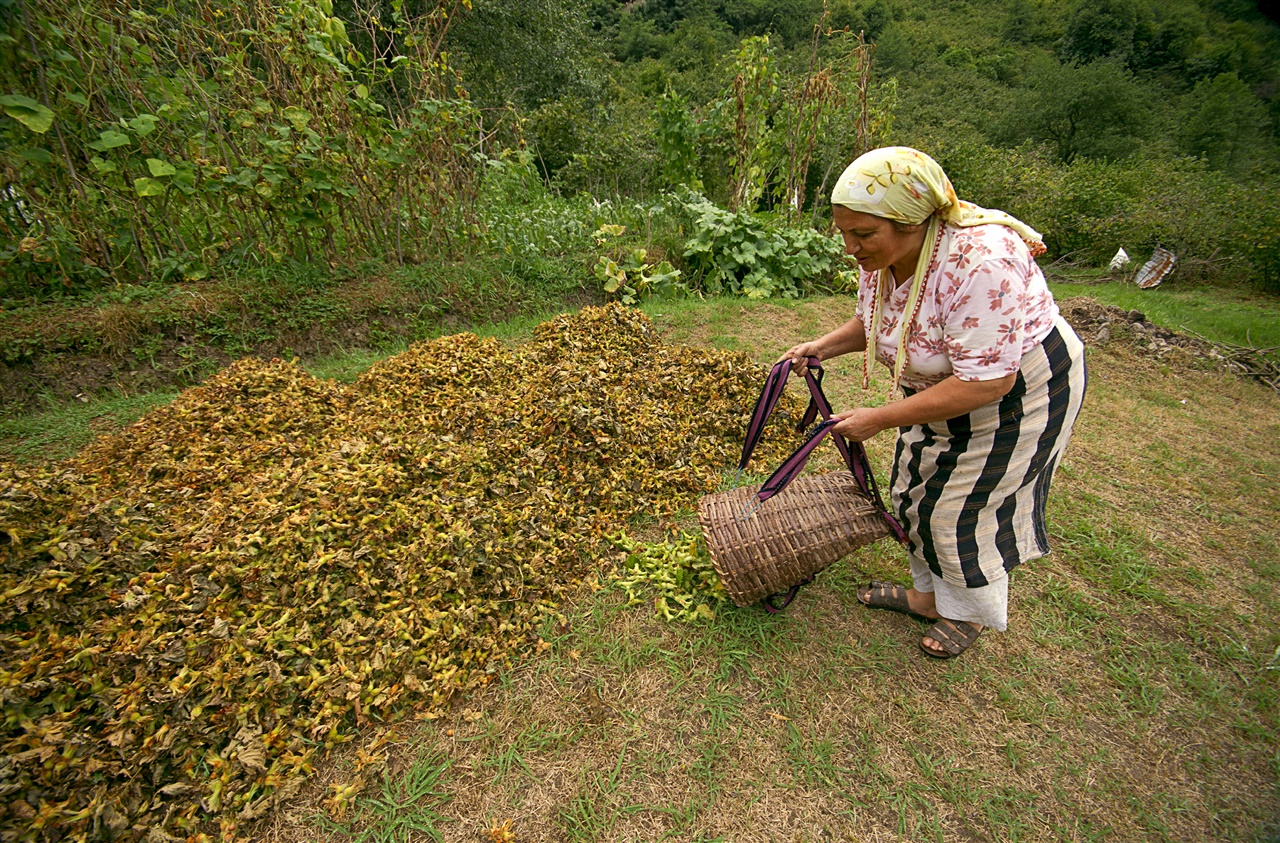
[907, 186]
[904, 185]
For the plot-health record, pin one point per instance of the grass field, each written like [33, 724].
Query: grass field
[1237, 316]
[1135, 696]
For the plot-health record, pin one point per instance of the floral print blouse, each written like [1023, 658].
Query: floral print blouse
[984, 303]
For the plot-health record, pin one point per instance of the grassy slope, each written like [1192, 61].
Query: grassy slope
[1231, 315]
[1135, 696]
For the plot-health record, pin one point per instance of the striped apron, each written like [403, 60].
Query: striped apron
[971, 491]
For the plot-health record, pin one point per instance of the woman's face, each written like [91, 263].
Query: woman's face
[874, 242]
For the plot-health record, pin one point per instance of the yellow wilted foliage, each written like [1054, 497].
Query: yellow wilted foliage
[194, 608]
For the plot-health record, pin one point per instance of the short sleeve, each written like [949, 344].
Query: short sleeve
[985, 306]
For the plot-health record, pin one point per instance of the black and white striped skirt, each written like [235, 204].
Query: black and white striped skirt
[971, 491]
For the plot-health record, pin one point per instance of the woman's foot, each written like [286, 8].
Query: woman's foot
[882, 595]
[948, 638]
[944, 639]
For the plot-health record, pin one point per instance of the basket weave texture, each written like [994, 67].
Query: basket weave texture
[813, 522]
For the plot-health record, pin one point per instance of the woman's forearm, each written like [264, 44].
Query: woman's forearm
[946, 400]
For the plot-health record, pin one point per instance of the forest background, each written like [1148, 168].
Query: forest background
[183, 183]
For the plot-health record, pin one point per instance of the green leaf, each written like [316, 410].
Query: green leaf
[102, 165]
[299, 117]
[362, 92]
[110, 139]
[36, 154]
[160, 168]
[78, 99]
[143, 124]
[28, 112]
[148, 187]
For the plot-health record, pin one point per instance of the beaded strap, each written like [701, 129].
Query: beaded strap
[924, 265]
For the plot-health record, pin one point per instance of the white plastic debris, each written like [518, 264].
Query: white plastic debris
[1120, 261]
[1155, 270]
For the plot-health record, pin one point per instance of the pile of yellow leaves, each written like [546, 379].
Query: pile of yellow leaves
[191, 610]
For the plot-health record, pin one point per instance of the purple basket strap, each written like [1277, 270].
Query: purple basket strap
[768, 399]
[791, 465]
[774, 608]
[818, 402]
[855, 455]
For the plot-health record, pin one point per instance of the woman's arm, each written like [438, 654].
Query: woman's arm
[850, 336]
[946, 400]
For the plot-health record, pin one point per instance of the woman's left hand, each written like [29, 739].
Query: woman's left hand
[859, 425]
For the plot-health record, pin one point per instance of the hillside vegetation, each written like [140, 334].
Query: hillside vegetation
[144, 143]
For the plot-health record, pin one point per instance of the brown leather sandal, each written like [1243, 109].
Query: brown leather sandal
[884, 595]
[954, 636]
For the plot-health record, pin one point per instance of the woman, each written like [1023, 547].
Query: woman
[991, 377]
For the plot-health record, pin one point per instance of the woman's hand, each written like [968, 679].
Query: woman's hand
[861, 424]
[800, 354]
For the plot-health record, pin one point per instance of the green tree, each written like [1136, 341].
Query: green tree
[1023, 22]
[1095, 110]
[526, 52]
[1225, 123]
[1106, 29]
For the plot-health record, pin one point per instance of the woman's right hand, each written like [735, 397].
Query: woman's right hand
[800, 354]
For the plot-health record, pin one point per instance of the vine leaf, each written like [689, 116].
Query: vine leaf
[110, 139]
[148, 187]
[28, 112]
[160, 168]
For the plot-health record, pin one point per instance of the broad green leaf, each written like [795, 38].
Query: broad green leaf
[78, 99]
[18, 100]
[28, 112]
[362, 92]
[299, 117]
[143, 124]
[36, 154]
[148, 187]
[110, 139]
[160, 168]
[102, 165]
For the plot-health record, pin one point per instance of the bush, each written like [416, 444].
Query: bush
[1088, 209]
[749, 255]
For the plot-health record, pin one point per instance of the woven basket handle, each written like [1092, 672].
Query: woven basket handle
[854, 454]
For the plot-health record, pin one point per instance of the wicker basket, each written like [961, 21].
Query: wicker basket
[815, 521]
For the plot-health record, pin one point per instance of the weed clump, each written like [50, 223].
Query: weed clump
[192, 610]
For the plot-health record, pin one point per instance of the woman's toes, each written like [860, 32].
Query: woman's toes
[932, 646]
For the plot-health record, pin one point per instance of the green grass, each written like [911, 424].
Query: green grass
[1126, 645]
[63, 429]
[406, 807]
[1232, 316]
[1135, 688]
